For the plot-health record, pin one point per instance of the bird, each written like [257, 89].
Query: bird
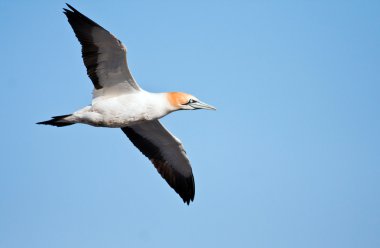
[119, 102]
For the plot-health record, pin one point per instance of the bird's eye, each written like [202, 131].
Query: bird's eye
[192, 101]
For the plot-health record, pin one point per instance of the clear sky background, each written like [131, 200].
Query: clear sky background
[291, 158]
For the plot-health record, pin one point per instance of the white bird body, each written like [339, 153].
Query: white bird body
[123, 110]
[119, 102]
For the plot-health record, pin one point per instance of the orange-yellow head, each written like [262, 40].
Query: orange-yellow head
[184, 101]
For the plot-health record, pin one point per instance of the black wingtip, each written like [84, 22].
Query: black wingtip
[71, 7]
[71, 10]
[76, 18]
[188, 194]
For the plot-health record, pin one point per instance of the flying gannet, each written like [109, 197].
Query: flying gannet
[119, 102]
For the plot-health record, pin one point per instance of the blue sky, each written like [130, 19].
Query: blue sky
[290, 158]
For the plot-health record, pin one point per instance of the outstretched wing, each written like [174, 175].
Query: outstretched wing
[103, 54]
[166, 153]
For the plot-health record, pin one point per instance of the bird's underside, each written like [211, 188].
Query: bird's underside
[105, 59]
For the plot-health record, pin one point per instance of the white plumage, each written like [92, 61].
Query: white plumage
[120, 111]
[119, 102]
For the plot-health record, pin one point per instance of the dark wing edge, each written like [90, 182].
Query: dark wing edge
[182, 184]
[97, 52]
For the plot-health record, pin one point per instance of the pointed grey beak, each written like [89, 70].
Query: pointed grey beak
[201, 105]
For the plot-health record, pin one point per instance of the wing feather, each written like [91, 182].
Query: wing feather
[167, 155]
[103, 54]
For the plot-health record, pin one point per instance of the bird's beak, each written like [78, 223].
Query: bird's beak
[202, 105]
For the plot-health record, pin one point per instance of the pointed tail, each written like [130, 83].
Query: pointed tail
[58, 121]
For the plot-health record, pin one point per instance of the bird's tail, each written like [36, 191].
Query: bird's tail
[58, 121]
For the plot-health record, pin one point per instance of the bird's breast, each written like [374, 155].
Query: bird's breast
[129, 109]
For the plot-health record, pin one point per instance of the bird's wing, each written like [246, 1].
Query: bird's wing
[104, 56]
[166, 153]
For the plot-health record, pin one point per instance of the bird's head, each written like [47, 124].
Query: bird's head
[184, 101]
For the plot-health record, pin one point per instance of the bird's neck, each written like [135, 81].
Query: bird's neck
[160, 103]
